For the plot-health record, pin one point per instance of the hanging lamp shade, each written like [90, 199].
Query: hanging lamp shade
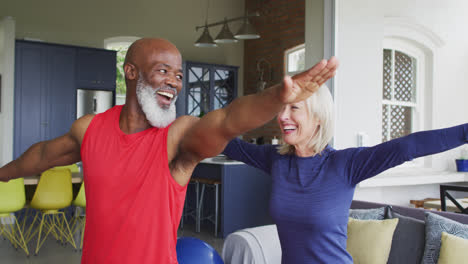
[205, 40]
[225, 35]
[247, 31]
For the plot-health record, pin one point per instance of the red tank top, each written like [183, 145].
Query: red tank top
[133, 205]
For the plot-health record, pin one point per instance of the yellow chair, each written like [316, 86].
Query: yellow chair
[12, 199]
[73, 168]
[53, 192]
[79, 220]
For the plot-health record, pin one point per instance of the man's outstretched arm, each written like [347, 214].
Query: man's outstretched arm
[41, 156]
[208, 136]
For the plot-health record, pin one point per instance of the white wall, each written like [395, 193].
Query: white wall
[7, 59]
[447, 19]
[360, 32]
[359, 48]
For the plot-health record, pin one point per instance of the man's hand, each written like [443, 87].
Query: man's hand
[302, 85]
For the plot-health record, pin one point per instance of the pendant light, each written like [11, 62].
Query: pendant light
[225, 35]
[247, 31]
[205, 40]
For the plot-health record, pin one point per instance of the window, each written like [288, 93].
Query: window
[294, 60]
[120, 44]
[400, 87]
[409, 54]
[209, 87]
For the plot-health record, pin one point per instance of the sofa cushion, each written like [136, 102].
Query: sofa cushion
[369, 241]
[453, 249]
[368, 214]
[435, 225]
[408, 239]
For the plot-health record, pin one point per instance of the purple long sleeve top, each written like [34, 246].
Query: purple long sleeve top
[311, 196]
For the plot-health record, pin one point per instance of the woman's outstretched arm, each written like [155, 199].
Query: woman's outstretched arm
[369, 161]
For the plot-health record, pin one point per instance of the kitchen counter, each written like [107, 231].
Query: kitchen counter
[221, 161]
[413, 176]
[77, 177]
[245, 193]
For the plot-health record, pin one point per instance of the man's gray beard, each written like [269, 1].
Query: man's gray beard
[156, 115]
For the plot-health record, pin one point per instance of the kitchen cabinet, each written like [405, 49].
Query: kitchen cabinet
[47, 77]
[45, 97]
[96, 69]
[245, 194]
[206, 87]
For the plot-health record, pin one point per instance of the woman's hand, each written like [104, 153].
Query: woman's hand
[302, 85]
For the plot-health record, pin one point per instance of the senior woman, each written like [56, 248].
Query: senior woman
[313, 184]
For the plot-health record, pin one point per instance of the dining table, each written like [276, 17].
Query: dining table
[451, 207]
[77, 177]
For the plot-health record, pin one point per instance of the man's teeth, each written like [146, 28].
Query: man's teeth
[166, 94]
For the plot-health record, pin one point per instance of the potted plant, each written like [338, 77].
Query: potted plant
[462, 162]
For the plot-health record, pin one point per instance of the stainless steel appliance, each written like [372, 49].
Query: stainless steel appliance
[92, 101]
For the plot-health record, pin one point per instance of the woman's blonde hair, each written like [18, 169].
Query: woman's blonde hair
[320, 106]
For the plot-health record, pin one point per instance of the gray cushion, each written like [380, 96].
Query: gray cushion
[368, 214]
[435, 225]
[408, 239]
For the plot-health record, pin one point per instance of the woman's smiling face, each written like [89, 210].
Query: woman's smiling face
[297, 125]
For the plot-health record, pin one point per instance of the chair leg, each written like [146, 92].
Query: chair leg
[11, 234]
[67, 234]
[38, 245]
[30, 233]
[51, 223]
[216, 209]
[15, 235]
[199, 209]
[63, 230]
[55, 228]
[21, 241]
[82, 232]
[8, 231]
[183, 214]
[197, 196]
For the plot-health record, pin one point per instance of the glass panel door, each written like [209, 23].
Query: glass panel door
[198, 87]
[223, 88]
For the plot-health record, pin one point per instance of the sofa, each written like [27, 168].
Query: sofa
[413, 235]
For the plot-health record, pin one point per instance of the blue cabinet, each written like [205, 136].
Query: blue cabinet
[245, 195]
[30, 78]
[46, 78]
[45, 97]
[96, 69]
[61, 97]
[206, 87]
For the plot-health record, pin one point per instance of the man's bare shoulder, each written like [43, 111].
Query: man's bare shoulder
[80, 126]
[177, 131]
[181, 125]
